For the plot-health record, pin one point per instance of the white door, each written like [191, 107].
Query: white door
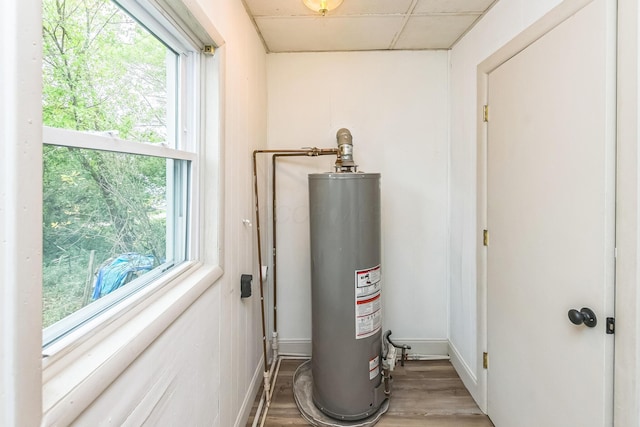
[550, 213]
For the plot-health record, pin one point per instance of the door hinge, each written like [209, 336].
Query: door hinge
[485, 113]
[611, 325]
[485, 360]
[485, 237]
[209, 50]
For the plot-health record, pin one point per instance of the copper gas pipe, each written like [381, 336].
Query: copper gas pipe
[309, 152]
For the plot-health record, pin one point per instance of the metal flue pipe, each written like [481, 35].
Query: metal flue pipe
[345, 163]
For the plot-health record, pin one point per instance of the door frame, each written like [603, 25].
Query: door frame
[626, 393]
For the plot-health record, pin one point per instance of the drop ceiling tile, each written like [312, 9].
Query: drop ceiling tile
[316, 34]
[451, 6]
[434, 32]
[259, 8]
[277, 8]
[372, 7]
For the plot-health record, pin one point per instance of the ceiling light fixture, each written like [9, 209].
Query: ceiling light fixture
[322, 6]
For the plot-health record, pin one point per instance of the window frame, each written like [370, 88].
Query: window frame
[78, 366]
[183, 145]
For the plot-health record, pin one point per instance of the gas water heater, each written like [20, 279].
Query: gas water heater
[346, 281]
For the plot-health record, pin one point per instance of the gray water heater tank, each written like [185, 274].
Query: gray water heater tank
[346, 307]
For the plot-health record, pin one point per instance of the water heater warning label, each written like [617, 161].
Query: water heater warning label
[374, 367]
[368, 302]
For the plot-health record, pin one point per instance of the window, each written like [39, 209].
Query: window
[121, 110]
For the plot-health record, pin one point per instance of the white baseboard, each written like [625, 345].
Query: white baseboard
[294, 347]
[249, 398]
[467, 376]
[420, 348]
[425, 349]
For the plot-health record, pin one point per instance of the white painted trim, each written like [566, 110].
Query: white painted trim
[67, 337]
[20, 213]
[465, 373]
[481, 253]
[212, 183]
[74, 381]
[250, 396]
[196, 12]
[538, 29]
[425, 348]
[294, 347]
[420, 348]
[77, 139]
[449, 195]
[626, 411]
[158, 20]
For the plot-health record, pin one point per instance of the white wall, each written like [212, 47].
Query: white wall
[245, 129]
[199, 371]
[396, 106]
[501, 24]
[206, 360]
[176, 381]
[20, 212]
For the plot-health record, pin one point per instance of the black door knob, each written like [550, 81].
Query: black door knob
[585, 316]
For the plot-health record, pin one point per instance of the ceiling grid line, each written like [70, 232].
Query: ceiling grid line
[364, 25]
[404, 24]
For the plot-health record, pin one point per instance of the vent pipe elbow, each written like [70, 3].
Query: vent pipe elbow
[345, 163]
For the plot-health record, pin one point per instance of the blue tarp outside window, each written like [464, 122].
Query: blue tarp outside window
[120, 271]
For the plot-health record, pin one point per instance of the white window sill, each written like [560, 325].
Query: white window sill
[81, 366]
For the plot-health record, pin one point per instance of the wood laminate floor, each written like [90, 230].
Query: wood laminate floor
[424, 393]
